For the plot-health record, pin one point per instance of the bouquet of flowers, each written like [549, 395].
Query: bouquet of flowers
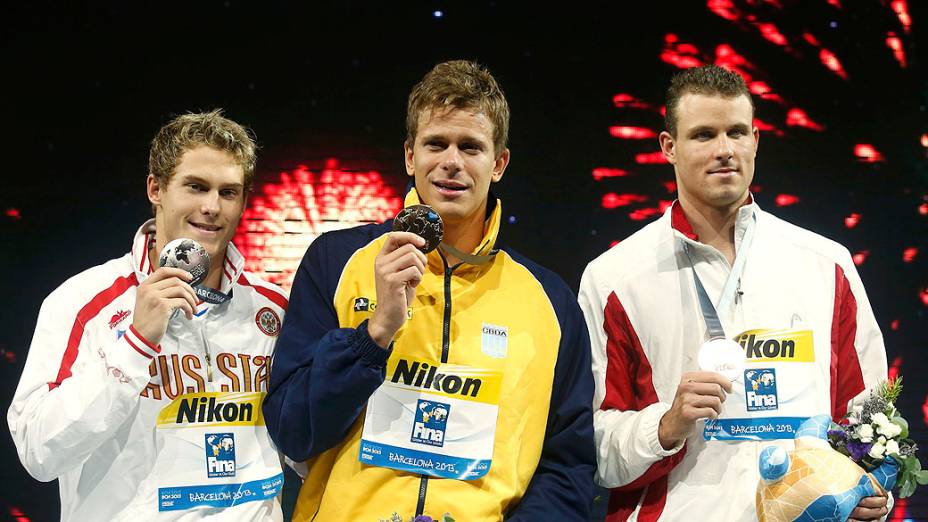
[874, 430]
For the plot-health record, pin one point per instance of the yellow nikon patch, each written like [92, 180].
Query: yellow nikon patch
[214, 409]
[764, 345]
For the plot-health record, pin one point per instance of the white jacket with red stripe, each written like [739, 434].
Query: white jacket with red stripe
[646, 328]
[87, 404]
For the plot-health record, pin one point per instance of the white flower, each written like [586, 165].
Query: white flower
[857, 409]
[892, 448]
[880, 419]
[881, 440]
[865, 433]
[852, 420]
[877, 451]
[890, 430]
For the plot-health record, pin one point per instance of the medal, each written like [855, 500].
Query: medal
[722, 356]
[423, 221]
[188, 255]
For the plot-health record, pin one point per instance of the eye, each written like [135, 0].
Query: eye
[228, 193]
[736, 133]
[703, 135]
[196, 187]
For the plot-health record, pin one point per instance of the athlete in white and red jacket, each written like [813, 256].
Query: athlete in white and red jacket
[141, 411]
[798, 310]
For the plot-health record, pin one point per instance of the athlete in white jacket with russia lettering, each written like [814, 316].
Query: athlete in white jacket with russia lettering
[797, 292]
[122, 352]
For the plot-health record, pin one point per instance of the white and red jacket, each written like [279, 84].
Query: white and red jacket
[88, 401]
[646, 328]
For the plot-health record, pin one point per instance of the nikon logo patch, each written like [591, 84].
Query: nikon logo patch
[214, 409]
[423, 375]
[764, 345]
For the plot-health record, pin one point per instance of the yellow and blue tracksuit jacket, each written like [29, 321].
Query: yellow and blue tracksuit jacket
[326, 367]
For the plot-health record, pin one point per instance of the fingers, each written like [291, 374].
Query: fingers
[708, 377]
[181, 292]
[182, 304]
[396, 240]
[165, 272]
[870, 508]
[400, 259]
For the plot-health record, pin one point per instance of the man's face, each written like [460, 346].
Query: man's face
[713, 152]
[454, 162]
[203, 201]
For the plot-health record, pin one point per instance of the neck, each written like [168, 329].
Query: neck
[464, 236]
[715, 226]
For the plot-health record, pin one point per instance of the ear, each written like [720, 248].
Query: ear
[756, 133]
[409, 155]
[153, 188]
[499, 166]
[667, 147]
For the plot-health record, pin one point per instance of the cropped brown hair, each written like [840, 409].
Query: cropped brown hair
[706, 80]
[197, 129]
[460, 84]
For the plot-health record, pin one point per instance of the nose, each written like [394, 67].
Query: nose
[724, 149]
[451, 161]
[210, 203]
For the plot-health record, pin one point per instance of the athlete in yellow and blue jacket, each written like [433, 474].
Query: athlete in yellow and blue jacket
[474, 309]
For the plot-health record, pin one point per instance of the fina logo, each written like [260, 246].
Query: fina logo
[220, 455]
[430, 423]
[760, 387]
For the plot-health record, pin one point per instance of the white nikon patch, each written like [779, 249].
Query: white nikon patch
[494, 340]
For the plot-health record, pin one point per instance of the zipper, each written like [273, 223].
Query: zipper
[209, 360]
[445, 348]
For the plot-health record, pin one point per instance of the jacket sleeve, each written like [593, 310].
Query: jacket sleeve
[562, 486]
[627, 411]
[321, 375]
[74, 394]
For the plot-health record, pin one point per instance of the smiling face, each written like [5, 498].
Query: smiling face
[713, 151]
[203, 201]
[454, 162]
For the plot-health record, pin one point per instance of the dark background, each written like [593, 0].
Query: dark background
[85, 87]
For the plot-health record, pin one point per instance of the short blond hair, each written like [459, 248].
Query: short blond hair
[460, 84]
[192, 130]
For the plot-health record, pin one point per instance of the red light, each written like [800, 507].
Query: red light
[770, 32]
[811, 39]
[653, 158]
[642, 214]
[614, 243]
[663, 205]
[867, 153]
[852, 220]
[900, 511]
[727, 57]
[894, 367]
[796, 117]
[602, 172]
[923, 209]
[925, 409]
[894, 43]
[625, 100]
[924, 296]
[18, 514]
[908, 255]
[767, 127]
[285, 215]
[13, 213]
[671, 186]
[757, 189]
[631, 133]
[894, 325]
[860, 257]
[924, 140]
[613, 200]
[835, 3]
[831, 61]
[681, 55]
[785, 200]
[901, 8]
[724, 8]
[764, 91]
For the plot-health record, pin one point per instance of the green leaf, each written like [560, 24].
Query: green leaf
[906, 488]
[921, 477]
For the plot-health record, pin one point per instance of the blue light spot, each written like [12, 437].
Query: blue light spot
[833, 24]
[512, 219]
[438, 14]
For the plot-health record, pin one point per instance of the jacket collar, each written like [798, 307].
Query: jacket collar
[682, 226]
[232, 267]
